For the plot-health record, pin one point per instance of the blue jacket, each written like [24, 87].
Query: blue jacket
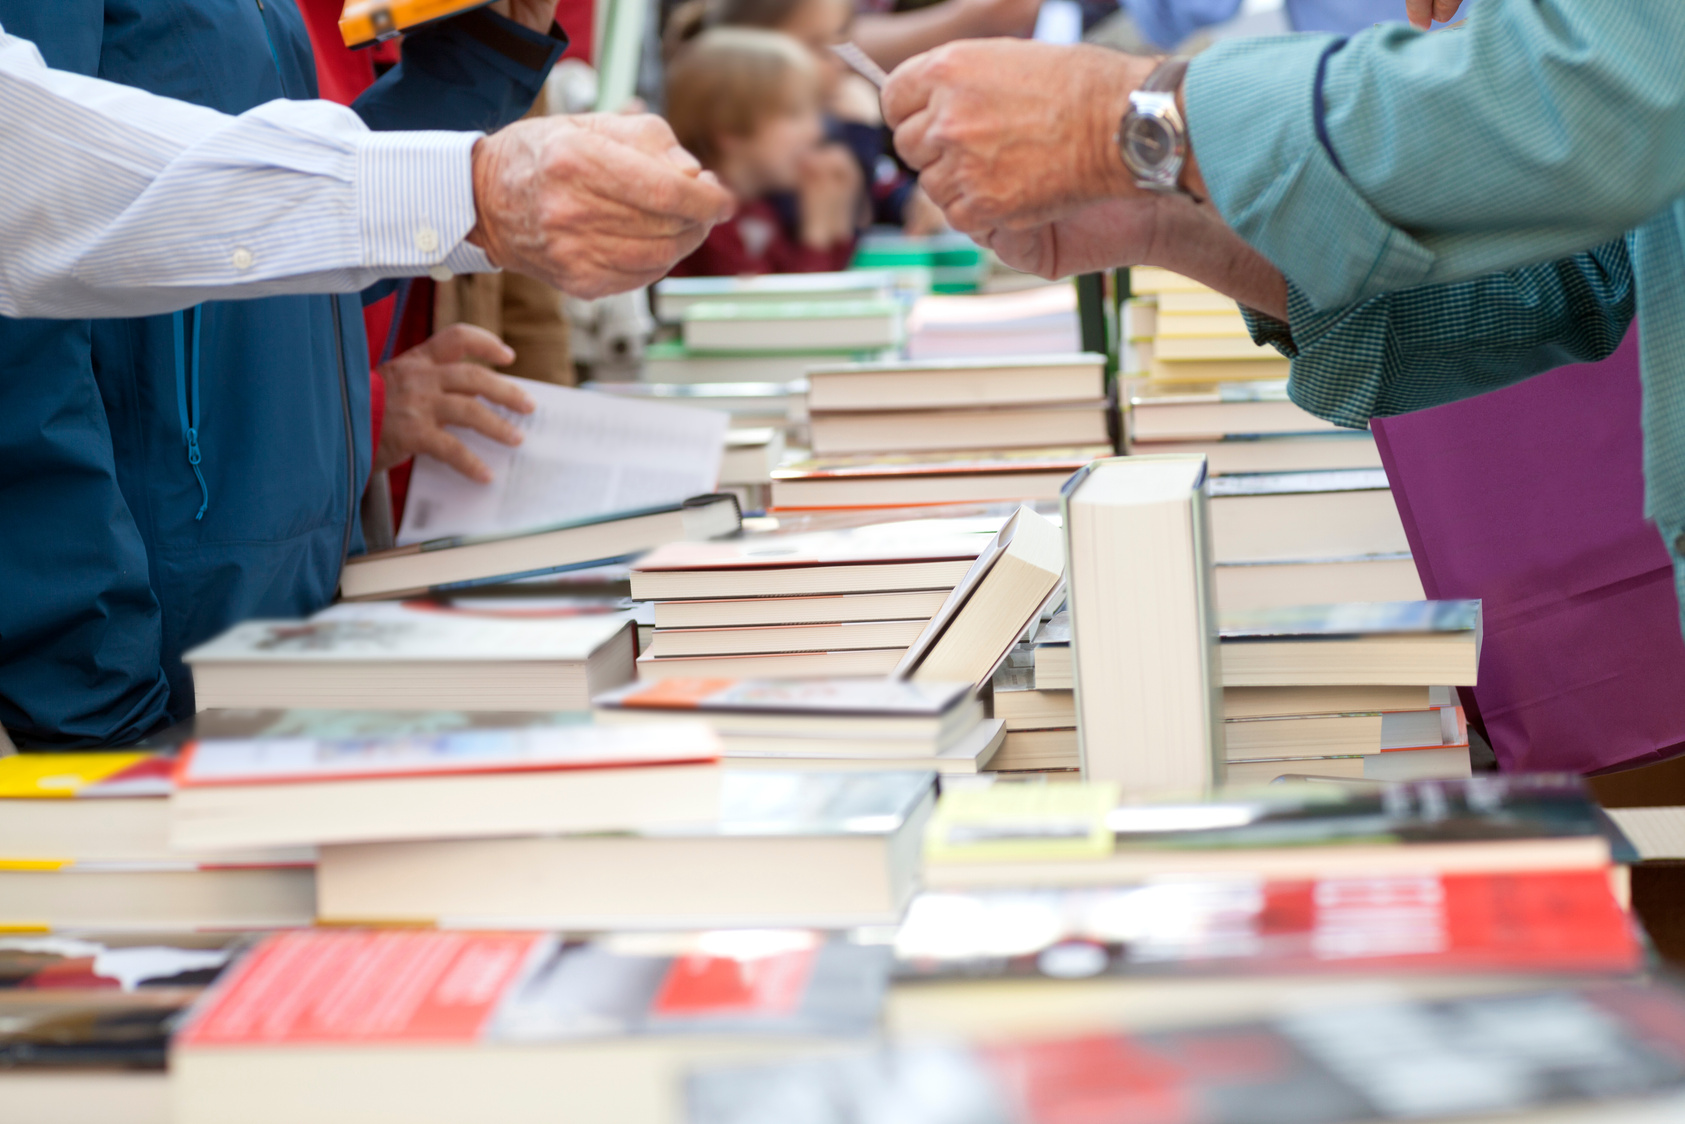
[116, 552]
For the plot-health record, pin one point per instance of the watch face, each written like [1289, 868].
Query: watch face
[1148, 144]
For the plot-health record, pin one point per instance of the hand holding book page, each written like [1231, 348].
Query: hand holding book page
[583, 455]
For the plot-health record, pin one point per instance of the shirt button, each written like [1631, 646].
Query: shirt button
[427, 240]
[440, 274]
[242, 259]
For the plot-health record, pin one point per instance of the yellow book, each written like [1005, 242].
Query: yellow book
[1210, 348]
[1022, 822]
[1218, 370]
[58, 776]
[1145, 279]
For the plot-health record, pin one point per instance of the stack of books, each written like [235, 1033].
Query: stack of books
[952, 262]
[1181, 331]
[84, 844]
[822, 724]
[836, 603]
[1241, 427]
[1356, 690]
[1033, 696]
[929, 479]
[944, 406]
[1299, 538]
[751, 455]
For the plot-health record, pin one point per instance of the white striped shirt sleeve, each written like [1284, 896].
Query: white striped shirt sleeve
[116, 202]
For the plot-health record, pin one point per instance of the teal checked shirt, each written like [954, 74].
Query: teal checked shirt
[1455, 212]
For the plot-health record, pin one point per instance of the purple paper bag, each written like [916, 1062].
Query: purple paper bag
[1531, 498]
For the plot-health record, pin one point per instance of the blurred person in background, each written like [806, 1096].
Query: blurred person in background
[852, 116]
[746, 103]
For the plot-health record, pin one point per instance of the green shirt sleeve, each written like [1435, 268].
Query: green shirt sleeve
[1397, 159]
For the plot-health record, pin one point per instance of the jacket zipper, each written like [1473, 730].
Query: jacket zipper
[187, 400]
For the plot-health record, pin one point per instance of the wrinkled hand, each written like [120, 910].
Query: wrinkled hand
[441, 383]
[1012, 134]
[536, 15]
[593, 204]
[1422, 13]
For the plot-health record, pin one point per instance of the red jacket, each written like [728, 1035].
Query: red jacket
[758, 240]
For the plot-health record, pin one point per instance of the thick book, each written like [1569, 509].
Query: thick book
[817, 327]
[1371, 1057]
[972, 753]
[1273, 367]
[1338, 735]
[1039, 749]
[1007, 476]
[674, 296]
[1270, 585]
[175, 895]
[863, 560]
[1483, 824]
[503, 1026]
[581, 456]
[460, 562]
[425, 661]
[1035, 426]
[1304, 516]
[953, 383]
[1158, 413]
[828, 850]
[575, 777]
[1402, 643]
[1148, 685]
[670, 363]
[97, 807]
[1297, 702]
[1005, 591]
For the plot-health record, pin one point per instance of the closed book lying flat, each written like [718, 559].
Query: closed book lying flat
[995, 427]
[95, 807]
[784, 638]
[1441, 763]
[1282, 702]
[1339, 734]
[1304, 515]
[970, 755]
[560, 778]
[429, 662]
[518, 1028]
[1054, 748]
[743, 612]
[454, 563]
[826, 850]
[1485, 824]
[1270, 585]
[818, 563]
[750, 404]
[937, 383]
[1159, 413]
[910, 481]
[1425, 643]
[844, 710]
[672, 364]
[812, 326]
[778, 665]
[161, 895]
[1227, 369]
[1035, 708]
[673, 296]
[1289, 452]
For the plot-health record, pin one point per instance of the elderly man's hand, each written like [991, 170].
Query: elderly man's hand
[1011, 134]
[1108, 235]
[594, 204]
[440, 383]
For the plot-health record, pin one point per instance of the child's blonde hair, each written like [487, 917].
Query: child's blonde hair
[728, 80]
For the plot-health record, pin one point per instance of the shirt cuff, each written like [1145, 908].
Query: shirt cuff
[415, 200]
[1274, 180]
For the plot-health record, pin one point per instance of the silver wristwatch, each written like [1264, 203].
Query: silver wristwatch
[1153, 138]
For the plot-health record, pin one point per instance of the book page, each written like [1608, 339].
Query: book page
[583, 455]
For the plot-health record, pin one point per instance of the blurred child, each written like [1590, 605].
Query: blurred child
[746, 103]
[853, 118]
